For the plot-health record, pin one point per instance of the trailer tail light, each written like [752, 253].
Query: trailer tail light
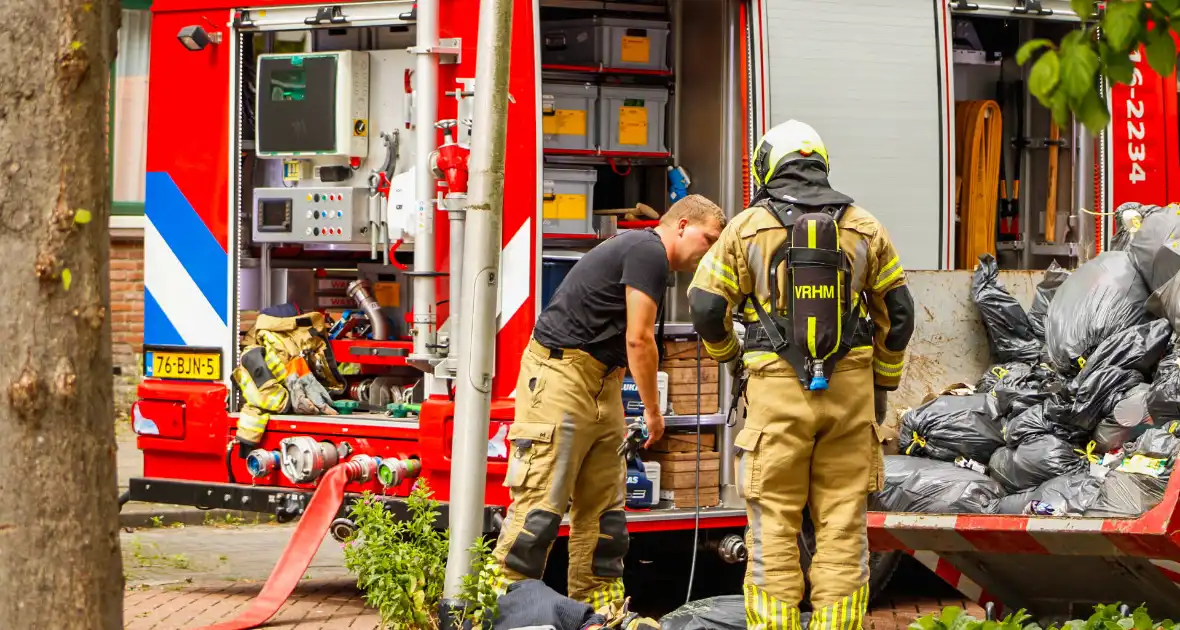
[158, 418]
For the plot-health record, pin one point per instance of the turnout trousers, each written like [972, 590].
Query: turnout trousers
[817, 449]
[563, 446]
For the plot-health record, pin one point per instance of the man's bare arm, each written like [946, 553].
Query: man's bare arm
[643, 357]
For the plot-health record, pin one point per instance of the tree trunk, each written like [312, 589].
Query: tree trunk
[59, 545]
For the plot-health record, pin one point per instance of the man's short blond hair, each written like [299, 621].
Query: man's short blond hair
[696, 208]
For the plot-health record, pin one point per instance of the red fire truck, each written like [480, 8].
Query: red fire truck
[295, 147]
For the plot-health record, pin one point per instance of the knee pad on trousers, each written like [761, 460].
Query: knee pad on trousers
[613, 542]
[531, 548]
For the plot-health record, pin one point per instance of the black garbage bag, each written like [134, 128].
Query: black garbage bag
[1009, 333]
[1127, 495]
[951, 426]
[1154, 234]
[1138, 348]
[1055, 275]
[1014, 396]
[1002, 372]
[1102, 298]
[913, 484]
[1095, 393]
[1163, 401]
[1127, 420]
[727, 612]
[1036, 460]
[1037, 421]
[1165, 302]
[1159, 443]
[1122, 237]
[1070, 495]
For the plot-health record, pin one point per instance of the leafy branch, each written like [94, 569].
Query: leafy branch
[1105, 617]
[1065, 76]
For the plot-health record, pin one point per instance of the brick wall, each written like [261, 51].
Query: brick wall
[126, 318]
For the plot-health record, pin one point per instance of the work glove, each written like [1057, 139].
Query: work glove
[308, 396]
[636, 436]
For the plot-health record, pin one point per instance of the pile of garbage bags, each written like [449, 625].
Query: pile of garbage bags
[1080, 413]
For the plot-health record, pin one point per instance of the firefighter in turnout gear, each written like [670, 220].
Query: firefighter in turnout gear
[564, 444]
[819, 288]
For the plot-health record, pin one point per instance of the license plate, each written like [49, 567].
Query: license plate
[194, 366]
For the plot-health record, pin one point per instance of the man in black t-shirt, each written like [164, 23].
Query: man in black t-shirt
[569, 403]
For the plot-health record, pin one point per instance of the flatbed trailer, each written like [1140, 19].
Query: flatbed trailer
[746, 69]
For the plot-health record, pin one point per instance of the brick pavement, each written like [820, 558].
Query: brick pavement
[330, 603]
[335, 603]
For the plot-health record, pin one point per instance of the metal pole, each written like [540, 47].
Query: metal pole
[426, 141]
[455, 300]
[732, 198]
[480, 285]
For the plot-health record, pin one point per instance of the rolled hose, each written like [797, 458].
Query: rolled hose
[979, 130]
[304, 543]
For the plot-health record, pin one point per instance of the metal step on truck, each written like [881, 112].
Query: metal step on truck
[331, 177]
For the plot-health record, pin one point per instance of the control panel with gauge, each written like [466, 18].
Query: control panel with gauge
[311, 215]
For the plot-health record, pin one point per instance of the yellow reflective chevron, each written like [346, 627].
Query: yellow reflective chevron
[846, 614]
[251, 425]
[888, 274]
[612, 594]
[756, 358]
[720, 271]
[764, 611]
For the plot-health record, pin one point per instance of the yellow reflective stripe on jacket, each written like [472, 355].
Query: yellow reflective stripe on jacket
[888, 274]
[721, 271]
[722, 349]
[758, 357]
[888, 369]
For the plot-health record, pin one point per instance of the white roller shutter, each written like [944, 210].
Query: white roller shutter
[869, 76]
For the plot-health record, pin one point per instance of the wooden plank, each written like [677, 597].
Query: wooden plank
[680, 442]
[681, 456]
[690, 389]
[709, 497]
[687, 405]
[682, 376]
[688, 480]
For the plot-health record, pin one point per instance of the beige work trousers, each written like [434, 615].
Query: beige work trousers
[818, 449]
[563, 445]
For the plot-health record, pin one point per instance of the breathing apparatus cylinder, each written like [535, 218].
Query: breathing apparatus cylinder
[818, 282]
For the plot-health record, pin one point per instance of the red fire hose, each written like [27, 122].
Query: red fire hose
[309, 533]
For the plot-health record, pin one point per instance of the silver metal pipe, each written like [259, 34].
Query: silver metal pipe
[473, 383]
[731, 197]
[1083, 184]
[426, 141]
[264, 277]
[455, 299]
[362, 293]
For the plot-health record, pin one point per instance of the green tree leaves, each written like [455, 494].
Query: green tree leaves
[1066, 77]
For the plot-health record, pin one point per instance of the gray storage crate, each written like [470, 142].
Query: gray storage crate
[610, 42]
[631, 119]
[568, 116]
[567, 196]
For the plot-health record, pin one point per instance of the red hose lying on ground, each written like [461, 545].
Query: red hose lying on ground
[309, 533]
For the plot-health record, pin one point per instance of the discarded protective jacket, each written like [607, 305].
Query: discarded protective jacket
[1009, 332]
[1101, 299]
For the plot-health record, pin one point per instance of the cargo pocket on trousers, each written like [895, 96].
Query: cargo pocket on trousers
[749, 470]
[876, 460]
[531, 444]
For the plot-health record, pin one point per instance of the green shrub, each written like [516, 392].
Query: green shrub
[400, 565]
[1105, 617]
